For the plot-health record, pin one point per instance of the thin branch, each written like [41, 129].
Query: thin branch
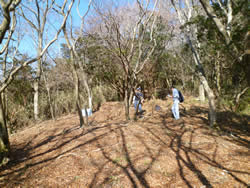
[30, 22]
[10, 77]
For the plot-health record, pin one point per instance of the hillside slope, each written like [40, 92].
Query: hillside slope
[154, 151]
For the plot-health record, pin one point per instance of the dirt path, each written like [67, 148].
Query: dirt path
[154, 151]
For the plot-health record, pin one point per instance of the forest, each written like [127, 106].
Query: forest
[63, 58]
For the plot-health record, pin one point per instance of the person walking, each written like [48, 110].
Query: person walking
[138, 99]
[176, 101]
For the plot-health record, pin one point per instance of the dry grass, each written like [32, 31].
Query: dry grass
[154, 151]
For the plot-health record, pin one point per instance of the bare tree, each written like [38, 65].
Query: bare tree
[36, 16]
[75, 60]
[128, 35]
[9, 77]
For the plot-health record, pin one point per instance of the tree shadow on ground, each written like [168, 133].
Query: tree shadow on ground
[235, 125]
[228, 123]
[135, 174]
[233, 122]
[126, 161]
[184, 151]
[197, 112]
[22, 159]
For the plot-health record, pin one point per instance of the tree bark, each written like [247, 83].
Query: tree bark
[211, 100]
[37, 81]
[204, 82]
[77, 98]
[86, 85]
[4, 137]
[126, 104]
[49, 96]
[7, 7]
[218, 75]
[201, 93]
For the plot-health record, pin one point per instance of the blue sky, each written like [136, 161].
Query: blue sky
[27, 45]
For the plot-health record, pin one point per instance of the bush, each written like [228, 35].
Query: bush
[102, 94]
[19, 117]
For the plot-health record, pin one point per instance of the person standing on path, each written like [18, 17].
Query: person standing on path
[176, 101]
[138, 99]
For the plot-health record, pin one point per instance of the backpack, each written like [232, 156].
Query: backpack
[181, 98]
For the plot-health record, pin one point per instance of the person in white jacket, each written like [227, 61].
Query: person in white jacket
[176, 101]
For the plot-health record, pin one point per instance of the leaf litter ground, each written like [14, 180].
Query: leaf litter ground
[155, 151]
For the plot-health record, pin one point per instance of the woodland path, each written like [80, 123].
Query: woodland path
[155, 151]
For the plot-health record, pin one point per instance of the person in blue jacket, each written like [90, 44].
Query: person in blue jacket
[138, 99]
[175, 106]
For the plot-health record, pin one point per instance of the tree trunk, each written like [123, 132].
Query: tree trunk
[52, 110]
[36, 95]
[37, 79]
[203, 80]
[131, 98]
[201, 93]
[86, 85]
[126, 104]
[4, 137]
[211, 99]
[86, 116]
[77, 98]
[50, 103]
[218, 75]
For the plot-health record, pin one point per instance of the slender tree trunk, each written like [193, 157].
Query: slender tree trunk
[77, 97]
[5, 107]
[211, 99]
[168, 83]
[73, 62]
[37, 80]
[36, 95]
[86, 116]
[203, 80]
[49, 96]
[126, 103]
[201, 93]
[86, 85]
[131, 98]
[218, 76]
[4, 137]
[50, 103]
